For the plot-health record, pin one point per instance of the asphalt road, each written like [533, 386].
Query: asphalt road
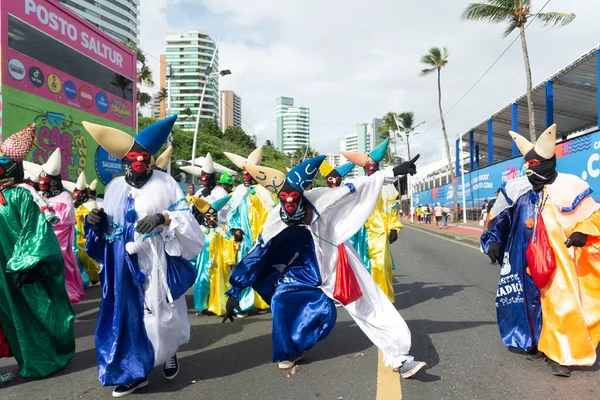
[444, 290]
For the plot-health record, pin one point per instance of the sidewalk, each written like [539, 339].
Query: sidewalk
[470, 232]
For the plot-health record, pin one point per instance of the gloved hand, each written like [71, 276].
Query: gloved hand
[31, 275]
[576, 239]
[96, 216]
[407, 167]
[494, 252]
[238, 235]
[149, 222]
[393, 236]
[232, 305]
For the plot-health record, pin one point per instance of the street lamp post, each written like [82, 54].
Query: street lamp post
[169, 75]
[462, 175]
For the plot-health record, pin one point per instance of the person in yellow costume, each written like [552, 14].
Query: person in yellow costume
[555, 216]
[383, 224]
[214, 262]
[248, 210]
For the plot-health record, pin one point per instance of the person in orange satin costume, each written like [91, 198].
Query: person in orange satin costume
[562, 256]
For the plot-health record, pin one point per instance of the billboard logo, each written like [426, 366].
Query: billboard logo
[36, 77]
[86, 96]
[54, 83]
[101, 102]
[16, 69]
[70, 90]
[121, 109]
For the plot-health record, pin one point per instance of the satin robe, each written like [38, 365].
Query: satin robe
[248, 211]
[140, 325]
[294, 270]
[63, 208]
[37, 319]
[89, 264]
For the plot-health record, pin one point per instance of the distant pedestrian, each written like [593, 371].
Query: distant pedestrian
[419, 213]
[445, 215]
[438, 212]
[428, 214]
[484, 213]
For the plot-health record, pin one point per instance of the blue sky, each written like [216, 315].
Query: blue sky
[354, 60]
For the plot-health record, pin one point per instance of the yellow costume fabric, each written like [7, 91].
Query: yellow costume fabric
[258, 216]
[89, 264]
[378, 226]
[223, 254]
[571, 301]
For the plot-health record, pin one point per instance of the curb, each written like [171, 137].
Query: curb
[459, 238]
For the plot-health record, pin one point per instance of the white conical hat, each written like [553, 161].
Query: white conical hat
[32, 170]
[93, 185]
[523, 144]
[165, 158]
[546, 143]
[114, 141]
[192, 169]
[81, 181]
[255, 158]
[238, 161]
[70, 186]
[208, 165]
[54, 163]
[270, 178]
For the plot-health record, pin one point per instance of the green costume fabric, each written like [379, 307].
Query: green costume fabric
[38, 318]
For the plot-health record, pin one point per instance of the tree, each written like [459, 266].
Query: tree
[144, 76]
[516, 13]
[186, 113]
[435, 60]
[236, 135]
[269, 143]
[162, 95]
[303, 153]
[406, 124]
[403, 121]
[143, 98]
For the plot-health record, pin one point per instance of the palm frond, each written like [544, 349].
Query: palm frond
[489, 12]
[406, 120]
[510, 28]
[425, 72]
[555, 18]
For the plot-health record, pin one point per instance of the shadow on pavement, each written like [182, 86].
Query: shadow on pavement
[410, 294]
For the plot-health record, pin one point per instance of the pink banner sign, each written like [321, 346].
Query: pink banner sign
[54, 20]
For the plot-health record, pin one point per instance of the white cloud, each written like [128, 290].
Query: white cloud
[354, 60]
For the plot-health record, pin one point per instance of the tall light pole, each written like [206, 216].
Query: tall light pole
[462, 174]
[169, 75]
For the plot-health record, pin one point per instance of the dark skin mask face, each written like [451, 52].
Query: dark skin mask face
[137, 166]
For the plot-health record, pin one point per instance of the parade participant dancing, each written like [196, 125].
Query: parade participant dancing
[381, 228]
[214, 262]
[248, 211]
[142, 240]
[547, 224]
[85, 201]
[301, 263]
[37, 316]
[208, 179]
[334, 176]
[61, 205]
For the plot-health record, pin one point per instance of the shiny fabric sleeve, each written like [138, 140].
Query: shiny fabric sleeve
[498, 230]
[589, 226]
[392, 221]
[247, 271]
[95, 240]
[36, 242]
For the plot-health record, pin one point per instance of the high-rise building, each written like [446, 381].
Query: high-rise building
[293, 125]
[231, 109]
[189, 56]
[333, 159]
[119, 18]
[156, 106]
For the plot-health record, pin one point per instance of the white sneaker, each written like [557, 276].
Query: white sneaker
[289, 363]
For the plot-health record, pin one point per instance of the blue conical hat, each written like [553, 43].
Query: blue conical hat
[154, 136]
[378, 153]
[302, 175]
[222, 202]
[345, 169]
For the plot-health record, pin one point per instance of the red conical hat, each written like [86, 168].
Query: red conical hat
[17, 146]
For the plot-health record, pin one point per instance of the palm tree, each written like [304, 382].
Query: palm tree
[144, 76]
[436, 59]
[162, 95]
[516, 13]
[406, 124]
[187, 112]
[143, 98]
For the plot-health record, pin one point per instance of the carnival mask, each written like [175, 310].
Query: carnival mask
[292, 204]
[208, 180]
[371, 166]
[8, 167]
[540, 171]
[209, 219]
[248, 179]
[50, 185]
[137, 166]
[80, 197]
[334, 179]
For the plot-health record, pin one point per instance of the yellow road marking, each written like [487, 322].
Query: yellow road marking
[388, 382]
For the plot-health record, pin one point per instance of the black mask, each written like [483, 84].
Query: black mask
[248, 179]
[540, 171]
[208, 180]
[334, 179]
[50, 185]
[156, 168]
[293, 209]
[137, 166]
[10, 169]
[209, 219]
[80, 197]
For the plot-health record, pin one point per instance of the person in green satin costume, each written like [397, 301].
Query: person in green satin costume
[36, 314]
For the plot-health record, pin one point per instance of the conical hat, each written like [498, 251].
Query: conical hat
[33, 170]
[54, 163]
[522, 144]
[114, 141]
[270, 178]
[155, 135]
[378, 153]
[208, 166]
[201, 204]
[193, 170]
[165, 158]
[81, 181]
[546, 143]
[222, 202]
[238, 161]
[255, 158]
[17, 146]
[356, 157]
[325, 168]
[345, 169]
[303, 174]
[70, 186]
[93, 185]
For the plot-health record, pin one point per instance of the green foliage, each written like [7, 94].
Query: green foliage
[235, 134]
[436, 59]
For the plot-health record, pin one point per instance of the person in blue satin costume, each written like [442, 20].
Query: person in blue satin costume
[518, 304]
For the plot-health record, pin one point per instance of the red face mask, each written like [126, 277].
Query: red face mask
[139, 161]
[44, 184]
[204, 179]
[334, 181]
[290, 200]
[248, 180]
[137, 166]
[211, 218]
[371, 167]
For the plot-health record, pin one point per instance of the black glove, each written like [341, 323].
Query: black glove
[494, 252]
[576, 239]
[149, 222]
[407, 167]
[393, 236]
[96, 216]
[232, 305]
[31, 275]
[238, 235]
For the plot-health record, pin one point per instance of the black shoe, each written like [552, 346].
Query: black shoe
[534, 354]
[126, 390]
[560, 370]
[171, 368]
